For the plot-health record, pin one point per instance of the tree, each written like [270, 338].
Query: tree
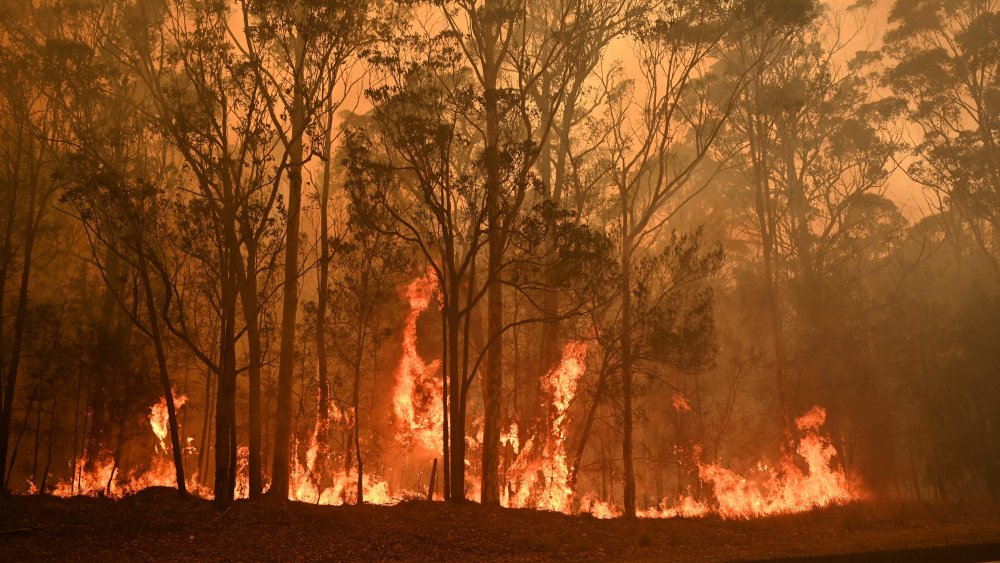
[659, 146]
[206, 101]
[813, 144]
[297, 53]
[29, 127]
[948, 72]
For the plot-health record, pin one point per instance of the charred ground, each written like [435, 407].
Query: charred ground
[156, 525]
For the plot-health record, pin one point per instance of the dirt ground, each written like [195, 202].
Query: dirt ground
[157, 525]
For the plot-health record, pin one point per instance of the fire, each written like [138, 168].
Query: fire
[541, 480]
[597, 508]
[764, 491]
[539, 475]
[159, 421]
[680, 402]
[103, 477]
[417, 394]
[332, 487]
[790, 490]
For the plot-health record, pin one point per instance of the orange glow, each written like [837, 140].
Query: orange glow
[767, 491]
[541, 480]
[159, 420]
[417, 393]
[104, 478]
[539, 475]
[763, 491]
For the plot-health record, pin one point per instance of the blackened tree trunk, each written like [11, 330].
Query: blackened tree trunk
[156, 336]
[626, 347]
[280, 472]
[492, 380]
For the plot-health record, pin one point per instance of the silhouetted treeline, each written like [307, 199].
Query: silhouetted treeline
[744, 208]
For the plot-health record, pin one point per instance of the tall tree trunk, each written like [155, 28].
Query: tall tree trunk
[456, 416]
[225, 414]
[251, 314]
[168, 392]
[48, 446]
[446, 288]
[767, 226]
[20, 320]
[322, 299]
[493, 379]
[626, 346]
[356, 403]
[280, 471]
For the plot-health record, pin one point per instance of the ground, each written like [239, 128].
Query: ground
[157, 525]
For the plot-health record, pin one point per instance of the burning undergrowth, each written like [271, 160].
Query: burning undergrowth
[539, 474]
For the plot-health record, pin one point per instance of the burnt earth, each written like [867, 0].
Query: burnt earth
[157, 525]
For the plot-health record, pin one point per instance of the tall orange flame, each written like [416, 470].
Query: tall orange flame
[102, 477]
[541, 480]
[158, 418]
[765, 491]
[417, 394]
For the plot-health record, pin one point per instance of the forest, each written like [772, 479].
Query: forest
[626, 258]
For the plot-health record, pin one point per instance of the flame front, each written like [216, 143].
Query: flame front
[539, 476]
[416, 397]
[790, 490]
[765, 491]
[103, 477]
[541, 479]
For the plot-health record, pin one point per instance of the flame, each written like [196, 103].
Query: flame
[538, 477]
[509, 438]
[102, 476]
[791, 490]
[686, 507]
[310, 485]
[417, 395]
[597, 508]
[542, 481]
[680, 402]
[763, 491]
[158, 418]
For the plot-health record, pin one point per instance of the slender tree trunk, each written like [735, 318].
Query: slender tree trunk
[225, 414]
[38, 433]
[251, 314]
[322, 299]
[356, 403]
[626, 346]
[20, 320]
[493, 378]
[290, 296]
[767, 226]
[456, 417]
[48, 446]
[205, 428]
[225, 407]
[168, 391]
[446, 289]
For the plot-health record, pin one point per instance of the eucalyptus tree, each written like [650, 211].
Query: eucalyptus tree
[561, 154]
[814, 143]
[415, 161]
[206, 101]
[947, 69]
[661, 137]
[115, 171]
[29, 131]
[298, 52]
[510, 48]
